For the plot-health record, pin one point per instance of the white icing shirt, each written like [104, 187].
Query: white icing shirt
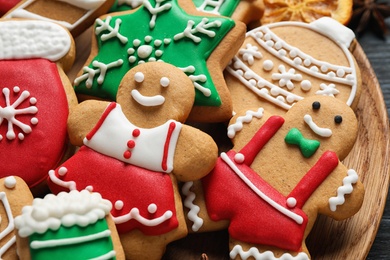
[150, 148]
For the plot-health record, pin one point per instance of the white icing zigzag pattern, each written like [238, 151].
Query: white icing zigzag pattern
[238, 125]
[268, 255]
[194, 209]
[347, 188]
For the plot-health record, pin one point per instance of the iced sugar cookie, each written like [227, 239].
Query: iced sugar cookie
[14, 194]
[282, 63]
[281, 173]
[74, 225]
[35, 97]
[75, 15]
[134, 151]
[199, 44]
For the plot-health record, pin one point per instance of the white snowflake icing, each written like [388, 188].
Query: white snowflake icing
[148, 50]
[250, 53]
[156, 10]
[101, 70]
[113, 32]
[11, 110]
[202, 27]
[285, 77]
[214, 6]
[328, 90]
[201, 78]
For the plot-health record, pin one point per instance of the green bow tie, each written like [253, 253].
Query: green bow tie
[308, 147]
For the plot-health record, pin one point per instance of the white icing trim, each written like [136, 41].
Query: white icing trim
[346, 188]
[134, 214]
[66, 208]
[293, 216]
[267, 255]
[10, 227]
[37, 244]
[44, 40]
[107, 256]
[334, 30]
[215, 4]
[239, 124]
[147, 101]
[85, 4]
[321, 131]
[189, 203]
[71, 185]
[20, 12]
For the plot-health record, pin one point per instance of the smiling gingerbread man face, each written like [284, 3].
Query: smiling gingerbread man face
[159, 92]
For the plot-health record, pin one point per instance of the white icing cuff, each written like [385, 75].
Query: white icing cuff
[33, 39]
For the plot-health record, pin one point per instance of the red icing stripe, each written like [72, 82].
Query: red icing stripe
[171, 128]
[262, 136]
[109, 108]
[314, 177]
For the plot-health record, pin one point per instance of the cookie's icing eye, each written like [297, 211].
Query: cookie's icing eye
[338, 119]
[164, 82]
[139, 77]
[316, 105]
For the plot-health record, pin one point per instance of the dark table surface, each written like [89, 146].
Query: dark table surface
[378, 52]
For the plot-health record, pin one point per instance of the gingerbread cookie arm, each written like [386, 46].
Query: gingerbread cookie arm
[347, 199]
[195, 154]
[83, 118]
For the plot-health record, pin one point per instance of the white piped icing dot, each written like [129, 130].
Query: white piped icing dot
[239, 158]
[340, 73]
[139, 77]
[306, 85]
[16, 89]
[148, 38]
[291, 202]
[118, 205]
[164, 81]
[21, 136]
[34, 120]
[10, 182]
[33, 101]
[268, 65]
[62, 171]
[89, 188]
[152, 208]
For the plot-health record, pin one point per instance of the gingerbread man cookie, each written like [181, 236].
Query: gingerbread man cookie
[281, 173]
[135, 151]
[36, 96]
[14, 194]
[199, 44]
[75, 15]
[74, 225]
[282, 63]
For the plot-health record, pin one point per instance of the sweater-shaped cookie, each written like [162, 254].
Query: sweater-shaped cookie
[281, 63]
[14, 194]
[134, 151]
[69, 225]
[281, 173]
[35, 97]
[74, 15]
[200, 44]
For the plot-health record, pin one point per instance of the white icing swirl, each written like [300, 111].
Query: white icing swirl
[194, 209]
[267, 255]
[347, 188]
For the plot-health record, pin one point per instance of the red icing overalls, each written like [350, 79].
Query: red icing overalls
[257, 212]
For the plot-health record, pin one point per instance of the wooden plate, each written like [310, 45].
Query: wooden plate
[329, 239]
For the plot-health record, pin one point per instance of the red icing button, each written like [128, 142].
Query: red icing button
[127, 154]
[136, 132]
[131, 144]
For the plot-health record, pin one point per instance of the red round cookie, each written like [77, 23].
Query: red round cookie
[33, 115]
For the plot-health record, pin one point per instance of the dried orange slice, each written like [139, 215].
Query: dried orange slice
[306, 10]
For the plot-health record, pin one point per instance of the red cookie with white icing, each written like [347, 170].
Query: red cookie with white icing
[133, 152]
[280, 174]
[14, 194]
[281, 63]
[75, 15]
[35, 97]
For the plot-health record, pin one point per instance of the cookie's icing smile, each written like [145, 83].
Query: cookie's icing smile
[147, 101]
[321, 131]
